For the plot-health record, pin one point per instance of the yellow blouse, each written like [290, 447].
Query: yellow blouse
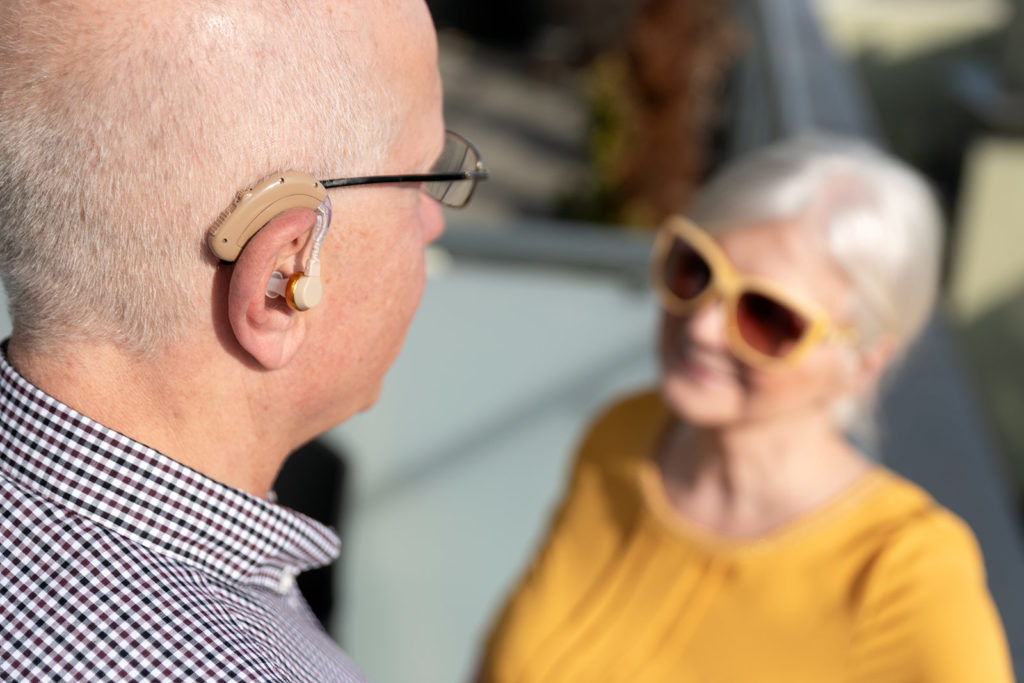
[880, 585]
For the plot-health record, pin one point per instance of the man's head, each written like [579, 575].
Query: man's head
[123, 135]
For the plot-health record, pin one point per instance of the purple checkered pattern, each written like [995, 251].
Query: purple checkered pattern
[118, 563]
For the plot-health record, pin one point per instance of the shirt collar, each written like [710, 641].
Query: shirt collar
[96, 472]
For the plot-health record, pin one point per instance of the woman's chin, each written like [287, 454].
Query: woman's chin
[698, 401]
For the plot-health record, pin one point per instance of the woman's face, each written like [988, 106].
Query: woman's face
[706, 385]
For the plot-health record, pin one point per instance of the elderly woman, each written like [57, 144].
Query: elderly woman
[722, 528]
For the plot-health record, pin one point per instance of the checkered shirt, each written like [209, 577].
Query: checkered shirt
[120, 564]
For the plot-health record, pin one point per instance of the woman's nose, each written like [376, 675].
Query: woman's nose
[706, 325]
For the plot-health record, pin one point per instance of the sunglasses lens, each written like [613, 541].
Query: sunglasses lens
[686, 273]
[768, 326]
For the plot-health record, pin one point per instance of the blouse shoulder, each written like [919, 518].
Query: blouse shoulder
[625, 428]
[925, 596]
[919, 533]
[919, 541]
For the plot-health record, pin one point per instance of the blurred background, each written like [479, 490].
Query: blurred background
[596, 118]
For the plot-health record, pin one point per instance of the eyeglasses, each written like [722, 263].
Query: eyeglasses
[450, 181]
[766, 326]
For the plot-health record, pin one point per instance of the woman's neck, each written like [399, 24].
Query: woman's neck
[745, 481]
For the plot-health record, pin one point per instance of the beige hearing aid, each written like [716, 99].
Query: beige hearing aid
[256, 206]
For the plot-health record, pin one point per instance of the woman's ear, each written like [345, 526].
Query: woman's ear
[870, 363]
[265, 326]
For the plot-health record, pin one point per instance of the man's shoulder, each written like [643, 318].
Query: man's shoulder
[60, 560]
[79, 597]
[40, 533]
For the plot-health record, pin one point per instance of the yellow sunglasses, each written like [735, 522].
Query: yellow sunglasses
[766, 326]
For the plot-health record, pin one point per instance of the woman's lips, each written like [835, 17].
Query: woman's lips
[697, 365]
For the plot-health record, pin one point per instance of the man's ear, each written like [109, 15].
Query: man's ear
[266, 327]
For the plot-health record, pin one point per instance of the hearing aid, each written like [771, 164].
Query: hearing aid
[256, 206]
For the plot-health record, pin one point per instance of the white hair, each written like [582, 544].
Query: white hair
[877, 216]
[124, 134]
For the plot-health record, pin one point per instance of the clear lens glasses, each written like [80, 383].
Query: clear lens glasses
[459, 161]
[451, 180]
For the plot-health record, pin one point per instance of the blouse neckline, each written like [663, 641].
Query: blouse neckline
[657, 504]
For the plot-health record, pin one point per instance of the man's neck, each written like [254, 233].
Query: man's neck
[172, 402]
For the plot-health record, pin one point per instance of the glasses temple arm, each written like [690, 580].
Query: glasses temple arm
[479, 174]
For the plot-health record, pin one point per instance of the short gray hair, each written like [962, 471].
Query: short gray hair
[123, 137]
[877, 216]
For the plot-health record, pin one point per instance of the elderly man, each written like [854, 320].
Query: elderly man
[183, 320]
